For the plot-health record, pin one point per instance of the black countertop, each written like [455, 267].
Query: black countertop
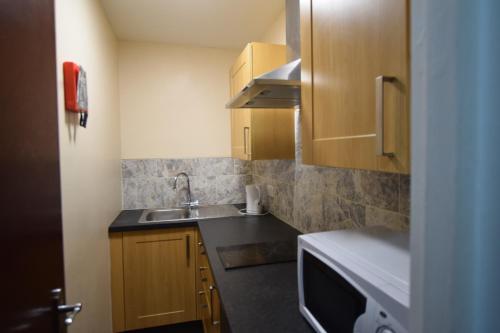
[261, 298]
[254, 299]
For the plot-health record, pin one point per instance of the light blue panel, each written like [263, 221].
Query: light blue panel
[487, 190]
[456, 166]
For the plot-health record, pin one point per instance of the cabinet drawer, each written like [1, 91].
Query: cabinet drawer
[210, 309]
[208, 297]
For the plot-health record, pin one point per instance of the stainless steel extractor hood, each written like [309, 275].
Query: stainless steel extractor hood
[279, 88]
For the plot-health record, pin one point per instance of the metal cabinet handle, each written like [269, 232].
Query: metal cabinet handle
[188, 248]
[214, 322]
[246, 130]
[202, 248]
[379, 114]
[71, 311]
[203, 268]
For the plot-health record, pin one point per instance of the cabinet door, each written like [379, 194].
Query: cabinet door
[273, 134]
[240, 75]
[266, 57]
[346, 45]
[241, 134]
[159, 277]
[260, 133]
[273, 131]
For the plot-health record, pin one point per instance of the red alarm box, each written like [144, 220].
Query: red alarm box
[71, 71]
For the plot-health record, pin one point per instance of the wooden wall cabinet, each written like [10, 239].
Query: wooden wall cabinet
[345, 46]
[258, 134]
[153, 278]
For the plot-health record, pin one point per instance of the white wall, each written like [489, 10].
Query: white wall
[172, 100]
[90, 167]
[276, 32]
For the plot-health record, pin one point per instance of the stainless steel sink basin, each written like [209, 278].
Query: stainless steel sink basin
[185, 214]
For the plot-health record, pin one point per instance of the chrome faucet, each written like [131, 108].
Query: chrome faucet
[190, 203]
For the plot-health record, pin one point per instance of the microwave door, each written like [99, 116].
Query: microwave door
[330, 299]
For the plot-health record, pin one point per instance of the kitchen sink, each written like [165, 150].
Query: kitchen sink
[186, 214]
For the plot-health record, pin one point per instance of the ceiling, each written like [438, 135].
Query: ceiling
[210, 23]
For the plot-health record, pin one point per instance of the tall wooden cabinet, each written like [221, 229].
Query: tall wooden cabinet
[355, 84]
[260, 133]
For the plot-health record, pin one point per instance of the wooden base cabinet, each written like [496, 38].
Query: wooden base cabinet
[208, 298]
[258, 134]
[162, 277]
[153, 278]
[355, 84]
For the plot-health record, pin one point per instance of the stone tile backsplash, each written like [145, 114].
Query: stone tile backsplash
[148, 183]
[312, 198]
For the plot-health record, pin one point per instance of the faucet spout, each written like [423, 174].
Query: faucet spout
[190, 203]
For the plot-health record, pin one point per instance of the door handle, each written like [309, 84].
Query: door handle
[379, 114]
[70, 311]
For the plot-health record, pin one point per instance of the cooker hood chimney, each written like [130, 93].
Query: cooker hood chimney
[279, 88]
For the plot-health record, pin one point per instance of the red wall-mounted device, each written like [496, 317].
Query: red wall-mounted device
[71, 71]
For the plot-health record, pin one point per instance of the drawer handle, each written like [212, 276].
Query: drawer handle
[203, 268]
[202, 248]
[379, 114]
[214, 322]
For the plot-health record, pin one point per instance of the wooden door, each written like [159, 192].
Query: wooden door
[241, 146]
[159, 277]
[346, 45]
[260, 133]
[273, 131]
[31, 244]
[273, 134]
[241, 75]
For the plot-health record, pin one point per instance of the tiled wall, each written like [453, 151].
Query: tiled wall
[148, 183]
[312, 198]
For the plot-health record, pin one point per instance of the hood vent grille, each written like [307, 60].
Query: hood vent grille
[276, 89]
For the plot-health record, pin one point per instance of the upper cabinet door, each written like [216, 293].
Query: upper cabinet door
[241, 71]
[355, 86]
[240, 76]
[260, 133]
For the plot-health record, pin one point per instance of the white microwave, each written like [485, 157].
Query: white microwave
[355, 280]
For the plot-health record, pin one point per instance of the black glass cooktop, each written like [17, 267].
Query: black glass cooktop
[247, 255]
